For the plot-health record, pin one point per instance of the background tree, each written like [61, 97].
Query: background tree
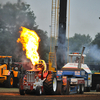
[78, 41]
[96, 40]
[94, 50]
[12, 17]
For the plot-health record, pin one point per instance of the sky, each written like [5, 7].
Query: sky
[84, 15]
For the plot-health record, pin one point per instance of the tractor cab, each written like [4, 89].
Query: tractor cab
[74, 61]
[75, 57]
[7, 60]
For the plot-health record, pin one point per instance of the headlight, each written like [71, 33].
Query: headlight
[16, 68]
[59, 72]
[4, 68]
[83, 73]
[37, 79]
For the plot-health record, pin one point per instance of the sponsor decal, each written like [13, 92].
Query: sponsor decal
[77, 72]
[9, 73]
[81, 82]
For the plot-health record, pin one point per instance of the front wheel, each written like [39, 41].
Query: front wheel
[38, 90]
[9, 82]
[22, 92]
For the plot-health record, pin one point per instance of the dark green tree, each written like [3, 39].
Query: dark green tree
[96, 40]
[78, 41]
[94, 51]
[12, 17]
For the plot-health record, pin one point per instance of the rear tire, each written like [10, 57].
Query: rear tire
[59, 87]
[38, 90]
[68, 88]
[22, 92]
[78, 89]
[50, 84]
[9, 82]
[97, 88]
[81, 89]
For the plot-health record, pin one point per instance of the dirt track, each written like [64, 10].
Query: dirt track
[13, 94]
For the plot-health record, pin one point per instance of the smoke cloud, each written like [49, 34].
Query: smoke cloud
[94, 52]
[61, 50]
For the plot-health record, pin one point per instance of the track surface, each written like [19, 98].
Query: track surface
[13, 94]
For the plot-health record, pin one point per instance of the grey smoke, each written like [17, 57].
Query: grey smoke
[94, 52]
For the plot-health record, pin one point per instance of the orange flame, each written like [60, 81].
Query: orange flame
[30, 41]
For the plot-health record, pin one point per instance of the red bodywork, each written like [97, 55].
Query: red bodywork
[29, 85]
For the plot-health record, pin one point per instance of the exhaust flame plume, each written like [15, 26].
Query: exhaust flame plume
[30, 41]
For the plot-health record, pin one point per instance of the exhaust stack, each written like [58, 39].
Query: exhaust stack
[80, 60]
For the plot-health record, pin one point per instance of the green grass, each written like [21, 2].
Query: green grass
[9, 89]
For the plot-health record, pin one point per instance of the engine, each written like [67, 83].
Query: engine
[30, 76]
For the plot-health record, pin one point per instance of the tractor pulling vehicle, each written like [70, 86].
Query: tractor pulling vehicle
[33, 80]
[73, 64]
[70, 79]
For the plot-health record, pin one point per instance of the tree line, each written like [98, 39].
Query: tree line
[13, 16]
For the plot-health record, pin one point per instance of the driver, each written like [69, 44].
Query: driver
[77, 60]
